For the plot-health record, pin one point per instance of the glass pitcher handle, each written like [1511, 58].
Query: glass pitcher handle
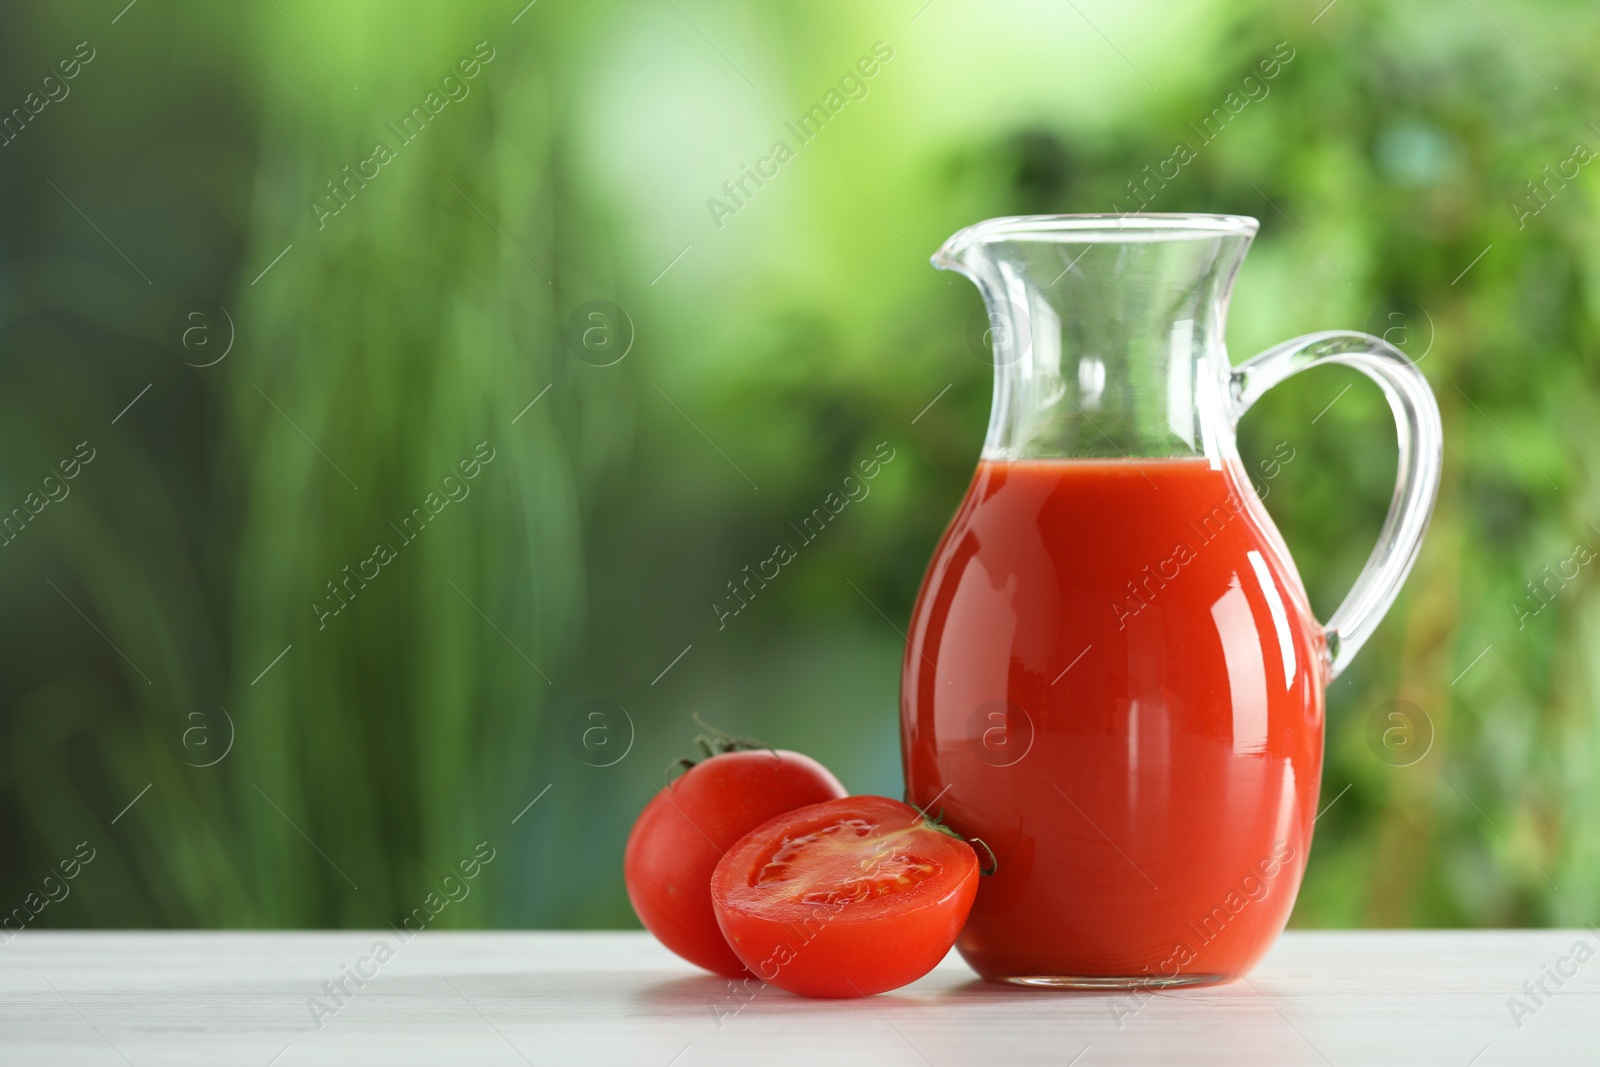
[1421, 446]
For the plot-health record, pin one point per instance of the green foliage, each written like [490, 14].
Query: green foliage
[1385, 160]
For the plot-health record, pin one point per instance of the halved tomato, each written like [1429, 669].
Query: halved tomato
[845, 898]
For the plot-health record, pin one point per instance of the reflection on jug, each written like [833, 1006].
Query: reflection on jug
[1113, 675]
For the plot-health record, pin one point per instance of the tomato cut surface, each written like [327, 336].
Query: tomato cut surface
[685, 829]
[845, 898]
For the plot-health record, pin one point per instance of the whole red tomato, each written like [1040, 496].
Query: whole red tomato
[846, 898]
[684, 830]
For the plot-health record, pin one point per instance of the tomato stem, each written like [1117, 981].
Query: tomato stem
[677, 765]
[936, 822]
[994, 864]
[721, 741]
[715, 742]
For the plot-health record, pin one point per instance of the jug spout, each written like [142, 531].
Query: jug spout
[1105, 331]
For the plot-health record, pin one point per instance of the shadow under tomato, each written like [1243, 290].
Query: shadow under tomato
[678, 994]
[723, 998]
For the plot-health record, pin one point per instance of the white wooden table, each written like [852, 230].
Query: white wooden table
[1355, 998]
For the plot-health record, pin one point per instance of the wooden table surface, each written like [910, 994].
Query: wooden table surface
[1447, 997]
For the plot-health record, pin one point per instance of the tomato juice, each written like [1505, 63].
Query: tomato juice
[1114, 678]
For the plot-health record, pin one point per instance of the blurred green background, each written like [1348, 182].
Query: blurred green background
[173, 609]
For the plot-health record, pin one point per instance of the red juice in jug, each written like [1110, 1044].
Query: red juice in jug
[1114, 679]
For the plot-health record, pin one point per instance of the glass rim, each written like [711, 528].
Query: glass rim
[1096, 228]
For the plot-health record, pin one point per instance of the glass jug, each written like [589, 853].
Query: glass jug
[1112, 674]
